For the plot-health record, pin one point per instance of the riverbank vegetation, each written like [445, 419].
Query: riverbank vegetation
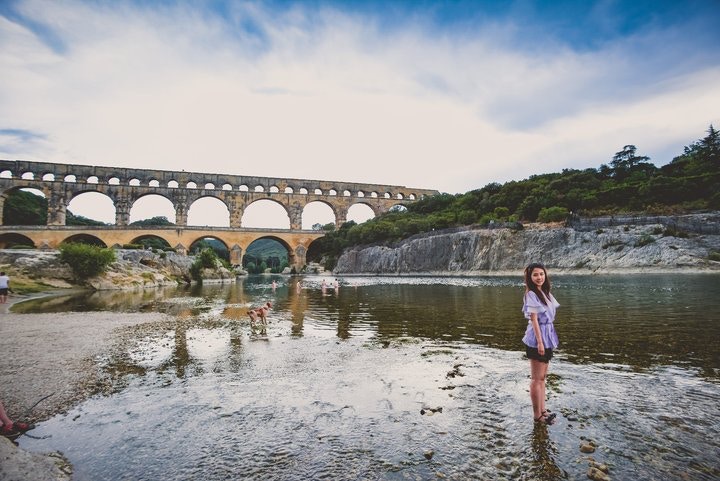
[629, 183]
[86, 260]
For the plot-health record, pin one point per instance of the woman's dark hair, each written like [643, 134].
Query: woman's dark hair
[530, 285]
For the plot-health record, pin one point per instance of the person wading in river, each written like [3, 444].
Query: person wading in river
[539, 307]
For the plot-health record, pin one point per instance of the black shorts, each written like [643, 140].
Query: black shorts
[4, 291]
[532, 353]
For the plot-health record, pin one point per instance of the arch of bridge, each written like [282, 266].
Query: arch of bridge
[237, 241]
[59, 192]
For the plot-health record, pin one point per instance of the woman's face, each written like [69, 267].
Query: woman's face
[538, 276]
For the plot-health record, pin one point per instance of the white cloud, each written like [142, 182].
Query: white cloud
[332, 96]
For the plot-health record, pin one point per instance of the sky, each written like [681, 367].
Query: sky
[446, 95]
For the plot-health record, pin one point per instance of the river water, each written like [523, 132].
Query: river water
[334, 387]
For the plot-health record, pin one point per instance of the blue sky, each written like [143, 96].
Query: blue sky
[433, 94]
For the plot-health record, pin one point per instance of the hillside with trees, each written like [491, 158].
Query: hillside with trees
[629, 184]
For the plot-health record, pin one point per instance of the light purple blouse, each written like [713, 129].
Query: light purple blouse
[545, 316]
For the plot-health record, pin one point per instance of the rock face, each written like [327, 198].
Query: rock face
[132, 269]
[488, 251]
[16, 464]
[143, 268]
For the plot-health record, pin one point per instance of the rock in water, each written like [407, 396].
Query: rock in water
[596, 475]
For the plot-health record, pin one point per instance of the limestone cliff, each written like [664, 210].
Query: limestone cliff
[132, 269]
[500, 251]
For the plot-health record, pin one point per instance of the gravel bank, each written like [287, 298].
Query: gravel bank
[45, 354]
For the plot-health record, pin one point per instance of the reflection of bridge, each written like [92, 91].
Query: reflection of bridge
[60, 183]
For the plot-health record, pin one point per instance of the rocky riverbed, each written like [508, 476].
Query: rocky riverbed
[52, 355]
[132, 269]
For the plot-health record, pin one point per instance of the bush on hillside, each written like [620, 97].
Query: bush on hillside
[86, 260]
[553, 214]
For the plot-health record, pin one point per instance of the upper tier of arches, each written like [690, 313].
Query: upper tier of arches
[61, 183]
[52, 172]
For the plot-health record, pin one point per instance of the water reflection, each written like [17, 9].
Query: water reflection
[334, 386]
[633, 321]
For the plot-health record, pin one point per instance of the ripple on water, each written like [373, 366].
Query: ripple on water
[333, 389]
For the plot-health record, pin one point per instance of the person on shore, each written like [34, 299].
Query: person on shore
[8, 427]
[540, 339]
[4, 287]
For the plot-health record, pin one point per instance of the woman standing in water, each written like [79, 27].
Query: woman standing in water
[539, 307]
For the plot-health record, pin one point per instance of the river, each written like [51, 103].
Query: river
[336, 385]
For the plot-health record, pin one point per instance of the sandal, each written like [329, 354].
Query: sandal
[22, 427]
[17, 428]
[546, 418]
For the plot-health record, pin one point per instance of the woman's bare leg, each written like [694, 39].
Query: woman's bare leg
[537, 386]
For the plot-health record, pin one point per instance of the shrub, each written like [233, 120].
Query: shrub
[552, 214]
[206, 259]
[672, 231]
[644, 240]
[714, 256]
[86, 260]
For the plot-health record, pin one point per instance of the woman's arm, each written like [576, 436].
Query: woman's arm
[536, 330]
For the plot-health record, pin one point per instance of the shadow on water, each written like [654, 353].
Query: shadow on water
[340, 383]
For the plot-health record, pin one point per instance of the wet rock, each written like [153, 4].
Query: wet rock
[587, 448]
[17, 464]
[430, 411]
[429, 454]
[602, 467]
[596, 475]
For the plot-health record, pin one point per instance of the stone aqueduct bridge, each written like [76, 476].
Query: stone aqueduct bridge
[62, 182]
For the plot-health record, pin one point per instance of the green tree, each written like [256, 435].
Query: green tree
[72, 219]
[25, 208]
[158, 220]
[553, 214]
[86, 260]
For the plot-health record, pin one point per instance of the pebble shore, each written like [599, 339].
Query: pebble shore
[51, 355]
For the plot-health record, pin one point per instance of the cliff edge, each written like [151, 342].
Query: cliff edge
[623, 248]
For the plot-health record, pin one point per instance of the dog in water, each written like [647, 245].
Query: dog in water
[259, 313]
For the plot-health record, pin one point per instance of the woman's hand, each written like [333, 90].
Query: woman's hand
[541, 349]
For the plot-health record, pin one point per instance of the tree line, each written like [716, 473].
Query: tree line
[630, 183]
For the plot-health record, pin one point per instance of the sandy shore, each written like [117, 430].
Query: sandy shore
[51, 354]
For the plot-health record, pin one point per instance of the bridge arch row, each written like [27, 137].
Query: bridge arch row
[123, 201]
[77, 179]
[297, 244]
